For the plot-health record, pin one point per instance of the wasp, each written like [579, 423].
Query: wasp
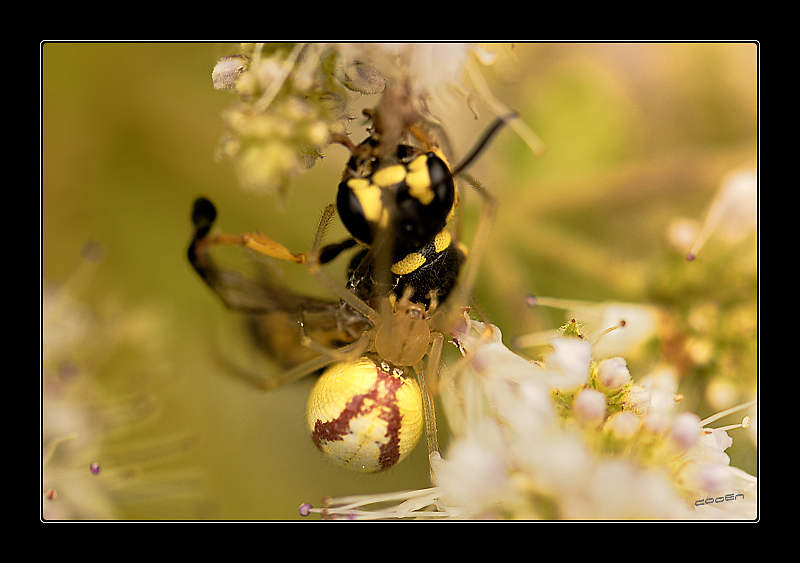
[387, 323]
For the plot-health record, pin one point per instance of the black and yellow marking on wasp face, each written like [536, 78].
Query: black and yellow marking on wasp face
[406, 198]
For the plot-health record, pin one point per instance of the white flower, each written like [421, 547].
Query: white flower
[714, 478]
[227, 71]
[662, 384]
[516, 454]
[80, 422]
[548, 471]
[475, 474]
[637, 400]
[432, 65]
[622, 425]
[567, 367]
[617, 490]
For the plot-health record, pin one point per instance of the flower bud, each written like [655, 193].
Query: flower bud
[622, 425]
[227, 71]
[638, 400]
[590, 407]
[685, 430]
[613, 373]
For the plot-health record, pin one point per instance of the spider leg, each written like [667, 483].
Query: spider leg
[295, 373]
[427, 373]
[447, 315]
[304, 369]
[355, 349]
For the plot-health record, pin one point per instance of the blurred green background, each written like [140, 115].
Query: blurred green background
[636, 135]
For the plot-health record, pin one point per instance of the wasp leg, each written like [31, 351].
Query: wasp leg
[203, 216]
[330, 251]
[259, 243]
[313, 263]
[267, 246]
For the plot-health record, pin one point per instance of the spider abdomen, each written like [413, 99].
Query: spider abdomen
[366, 414]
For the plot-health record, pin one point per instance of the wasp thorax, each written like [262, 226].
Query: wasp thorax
[365, 415]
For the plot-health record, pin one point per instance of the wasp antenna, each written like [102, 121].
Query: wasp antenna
[324, 223]
[484, 141]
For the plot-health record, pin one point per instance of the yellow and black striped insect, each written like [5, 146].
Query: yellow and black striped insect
[387, 322]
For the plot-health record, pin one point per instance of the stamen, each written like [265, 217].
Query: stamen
[558, 303]
[743, 424]
[544, 337]
[708, 228]
[737, 194]
[50, 447]
[737, 408]
[541, 338]
[609, 330]
[402, 504]
[576, 305]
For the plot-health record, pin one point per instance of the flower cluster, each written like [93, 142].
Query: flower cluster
[293, 100]
[708, 288]
[566, 438]
[287, 108]
[91, 469]
[576, 435]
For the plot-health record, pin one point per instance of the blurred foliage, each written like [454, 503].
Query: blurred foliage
[636, 134]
